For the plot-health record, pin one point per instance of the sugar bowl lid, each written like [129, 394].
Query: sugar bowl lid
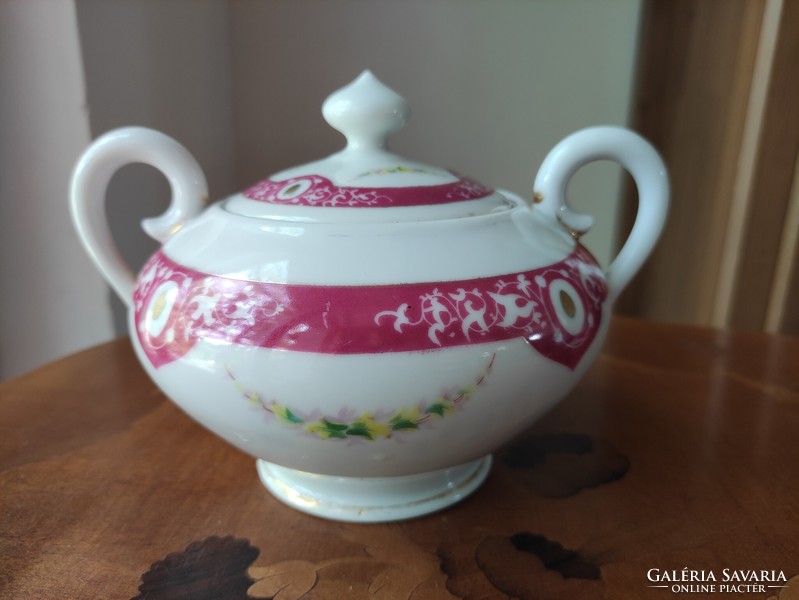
[365, 174]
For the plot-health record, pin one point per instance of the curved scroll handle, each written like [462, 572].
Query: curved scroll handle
[642, 161]
[90, 180]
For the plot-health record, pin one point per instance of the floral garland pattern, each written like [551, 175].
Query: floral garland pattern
[399, 169]
[368, 426]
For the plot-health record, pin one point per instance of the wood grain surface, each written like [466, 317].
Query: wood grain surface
[677, 451]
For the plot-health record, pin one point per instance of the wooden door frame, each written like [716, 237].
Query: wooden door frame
[716, 91]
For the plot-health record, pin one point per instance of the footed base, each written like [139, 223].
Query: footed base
[373, 499]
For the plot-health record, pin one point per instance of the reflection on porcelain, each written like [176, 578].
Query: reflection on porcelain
[369, 327]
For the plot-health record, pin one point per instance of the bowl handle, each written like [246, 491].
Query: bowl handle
[90, 180]
[640, 159]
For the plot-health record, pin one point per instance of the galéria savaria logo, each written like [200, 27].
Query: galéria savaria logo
[729, 581]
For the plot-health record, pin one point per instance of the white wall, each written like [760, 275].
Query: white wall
[164, 65]
[52, 301]
[493, 85]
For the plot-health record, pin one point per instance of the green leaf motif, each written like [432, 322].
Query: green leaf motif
[398, 424]
[439, 408]
[292, 418]
[333, 426]
[361, 430]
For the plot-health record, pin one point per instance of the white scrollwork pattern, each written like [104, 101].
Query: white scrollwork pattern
[510, 305]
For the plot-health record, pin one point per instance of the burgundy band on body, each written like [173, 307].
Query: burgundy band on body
[557, 308]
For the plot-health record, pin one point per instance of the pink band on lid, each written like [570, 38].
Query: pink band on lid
[315, 190]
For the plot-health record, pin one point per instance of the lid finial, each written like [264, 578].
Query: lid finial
[366, 112]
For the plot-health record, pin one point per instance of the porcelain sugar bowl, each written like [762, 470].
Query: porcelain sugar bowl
[368, 327]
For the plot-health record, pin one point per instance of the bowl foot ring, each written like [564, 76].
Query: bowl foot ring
[373, 499]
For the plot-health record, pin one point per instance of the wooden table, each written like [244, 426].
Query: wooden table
[676, 457]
